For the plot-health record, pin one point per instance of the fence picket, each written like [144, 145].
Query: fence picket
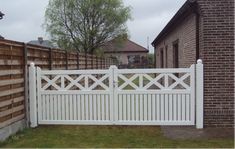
[67, 107]
[170, 108]
[63, 106]
[141, 107]
[103, 107]
[137, 101]
[128, 107]
[51, 107]
[162, 101]
[47, 107]
[145, 107]
[179, 101]
[95, 105]
[59, 107]
[187, 108]
[74, 97]
[87, 104]
[99, 108]
[78, 107]
[90, 107]
[70, 107]
[166, 111]
[83, 107]
[183, 107]
[158, 108]
[133, 101]
[149, 110]
[124, 107]
[175, 107]
[153, 107]
[107, 107]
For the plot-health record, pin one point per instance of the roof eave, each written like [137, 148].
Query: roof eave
[187, 7]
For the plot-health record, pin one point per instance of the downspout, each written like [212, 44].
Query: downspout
[197, 36]
[155, 57]
[196, 11]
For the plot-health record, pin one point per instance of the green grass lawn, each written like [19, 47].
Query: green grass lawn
[104, 136]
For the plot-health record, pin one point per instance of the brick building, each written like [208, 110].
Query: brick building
[204, 29]
[126, 52]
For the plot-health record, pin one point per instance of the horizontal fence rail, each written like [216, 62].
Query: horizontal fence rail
[117, 97]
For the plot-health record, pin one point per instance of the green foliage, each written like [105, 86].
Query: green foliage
[99, 52]
[150, 58]
[85, 25]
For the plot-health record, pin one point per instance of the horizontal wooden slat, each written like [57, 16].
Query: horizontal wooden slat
[8, 102]
[12, 110]
[32, 47]
[11, 44]
[12, 91]
[10, 121]
[10, 72]
[5, 52]
[10, 82]
[10, 62]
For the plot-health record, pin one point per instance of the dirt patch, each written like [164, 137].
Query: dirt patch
[180, 132]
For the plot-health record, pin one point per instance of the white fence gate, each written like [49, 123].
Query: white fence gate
[117, 96]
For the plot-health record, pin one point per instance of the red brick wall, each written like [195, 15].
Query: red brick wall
[217, 52]
[185, 33]
[216, 49]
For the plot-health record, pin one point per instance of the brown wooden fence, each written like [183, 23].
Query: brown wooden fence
[15, 58]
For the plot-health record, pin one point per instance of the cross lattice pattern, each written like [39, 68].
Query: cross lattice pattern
[81, 82]
[163, 81]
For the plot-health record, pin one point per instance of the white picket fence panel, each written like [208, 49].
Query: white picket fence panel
[117, 96]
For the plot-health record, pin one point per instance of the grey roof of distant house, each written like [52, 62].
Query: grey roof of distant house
[45, 43]
[124, 47]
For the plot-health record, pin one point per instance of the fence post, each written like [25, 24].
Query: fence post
[97, 62]
[92, 64]
[77, 60]
[26, 83]
[67, 60]
[101, 63]
[85, 60]
[113, 84]
[50, 59]
[32, 96]
[199, 94]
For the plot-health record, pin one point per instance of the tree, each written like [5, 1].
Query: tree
[1, 15]
[85, 25]
[150, 58]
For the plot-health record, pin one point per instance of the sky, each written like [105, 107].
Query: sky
[24, 18]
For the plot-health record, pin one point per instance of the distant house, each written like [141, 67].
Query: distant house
[204, 29]
[41, 42]
[126, 52]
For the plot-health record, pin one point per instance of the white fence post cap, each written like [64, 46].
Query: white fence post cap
[113, 67]
[199, 61]
[32, 64]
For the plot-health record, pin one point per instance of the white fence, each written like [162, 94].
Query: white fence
[117, 96]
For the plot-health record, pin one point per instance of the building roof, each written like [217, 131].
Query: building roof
[123, 47]
[188, 7]
[41, 42]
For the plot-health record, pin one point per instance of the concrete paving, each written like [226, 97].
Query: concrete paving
[185, 132]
